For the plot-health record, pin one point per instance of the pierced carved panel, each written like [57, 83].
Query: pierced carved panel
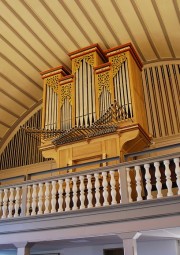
[117, 61]
[103, 81]
[66, 92]
[53, 82]
[88, 58]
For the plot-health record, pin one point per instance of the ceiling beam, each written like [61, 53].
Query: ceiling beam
[78, 24]
[18, 88]
[9, 111]
[20, 53]
[145, 28]
[20, 71]
[4, 124]
[25, 42]
[163, 27]
[79, 4]
[123, 20]
[35, 35]
[14, 99]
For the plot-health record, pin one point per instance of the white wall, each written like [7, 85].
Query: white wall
[88, 250]
[164, 247]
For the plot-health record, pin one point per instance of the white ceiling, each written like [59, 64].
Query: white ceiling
[37, 35]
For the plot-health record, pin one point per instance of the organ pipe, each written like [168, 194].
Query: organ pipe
[122, 89]
[23, 149]
[51, 108]
[85, 94]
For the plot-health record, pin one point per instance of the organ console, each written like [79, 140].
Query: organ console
[97, 111]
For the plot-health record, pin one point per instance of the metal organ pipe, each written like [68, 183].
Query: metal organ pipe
[66, 111]
[85, 94]
[122, 89]
[104, 100]
[90, 93]
[128, 90]
[51, 108]
[47, 107]
[23, 148]
[81, 95]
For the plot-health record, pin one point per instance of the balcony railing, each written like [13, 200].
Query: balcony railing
[130, 182]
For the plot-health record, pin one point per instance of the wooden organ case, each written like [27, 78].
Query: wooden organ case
[96, 112]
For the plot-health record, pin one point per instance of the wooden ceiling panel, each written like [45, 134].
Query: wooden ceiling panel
[23, 47]
[133, 22]
[115, 23]
[3, 129]
[71, 28]
[21, 63]
[11, 104]
[153, 27]
[80, 15]
[6, 117]
[171, 25]
[40, 32]
[27, 83]
[17, 92]
[51, 24]
[25, 32]
[90, 8]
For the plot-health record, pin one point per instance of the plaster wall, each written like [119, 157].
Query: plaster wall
[164, 247]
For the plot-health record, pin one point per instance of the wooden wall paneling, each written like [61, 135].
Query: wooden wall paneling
[164, 96]
[148, 101]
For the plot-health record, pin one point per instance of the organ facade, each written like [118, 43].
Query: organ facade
[97, 111]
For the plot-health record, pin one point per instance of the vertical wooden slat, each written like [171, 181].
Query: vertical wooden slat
[154, 113]
[170, 101]
[147, 100]
[158, 103]
[164, 99]
[176, 100]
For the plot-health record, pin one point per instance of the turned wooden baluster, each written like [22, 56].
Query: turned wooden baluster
[168, 178]
[148, 181]
[138, 183]
[34, 199]
[105, 185]
[97, 193]
[67, 199]
[177, 171]
[89, 188]
[17, 202]
[40, 200]
[5, 200]
[158, 180]
[1, 199]
[60, 194]
[11, 200]
[129, 184]
[53, 197]
[119, 184]
[74, 189]
[47, 192]
[113, 188]
[82, 196]
[28, 204]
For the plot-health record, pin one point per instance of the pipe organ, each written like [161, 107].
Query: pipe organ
[96, 110]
